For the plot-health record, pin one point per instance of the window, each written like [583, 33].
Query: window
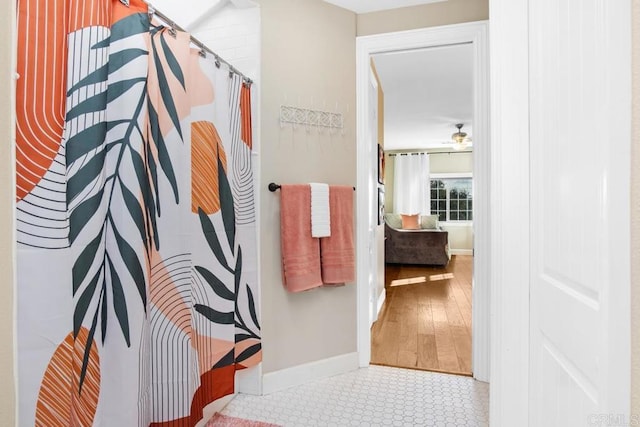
[452, 199]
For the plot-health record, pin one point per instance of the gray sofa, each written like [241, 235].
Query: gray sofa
[424, 247]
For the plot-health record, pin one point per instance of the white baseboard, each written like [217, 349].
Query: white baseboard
[308, 372]
[249, 381]
[461, 251]
[381, 298]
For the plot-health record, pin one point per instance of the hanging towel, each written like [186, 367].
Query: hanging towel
[320, 220]
[338, 251]
[300, 251]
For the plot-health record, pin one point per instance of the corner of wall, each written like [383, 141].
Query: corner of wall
[7, 195]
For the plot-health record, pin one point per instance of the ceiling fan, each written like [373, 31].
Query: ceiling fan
[460, 139]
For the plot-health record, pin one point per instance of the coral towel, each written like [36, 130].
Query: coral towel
[300, 251]
[338, 251]
[320, 220]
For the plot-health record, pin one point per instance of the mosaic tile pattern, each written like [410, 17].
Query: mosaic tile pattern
[375, 396]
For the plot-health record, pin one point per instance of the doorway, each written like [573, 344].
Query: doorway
[427, 95]
[470, 33]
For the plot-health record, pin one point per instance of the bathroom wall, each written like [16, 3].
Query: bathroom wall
[308, 51]
[234, 34]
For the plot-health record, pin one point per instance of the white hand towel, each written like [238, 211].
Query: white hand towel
[320, 219]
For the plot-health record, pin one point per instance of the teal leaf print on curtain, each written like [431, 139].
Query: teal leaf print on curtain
[227, 213]
[116, 167]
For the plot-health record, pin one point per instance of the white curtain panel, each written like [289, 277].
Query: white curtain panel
[411, 184]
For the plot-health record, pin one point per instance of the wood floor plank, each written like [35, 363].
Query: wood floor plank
[454, 317]
[409, 327]
[438, 311]
[408, 359]
[425, 318]
[445, 347]
[427, 354]
[463, 303]
[462, 342]
[387, 354]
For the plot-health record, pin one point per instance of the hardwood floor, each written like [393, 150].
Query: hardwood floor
[425, 322]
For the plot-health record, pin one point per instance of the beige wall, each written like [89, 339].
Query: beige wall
[460, 238]
[455, 162]
[7, 395]
[635, 217]
[308, 51]
[429, 15]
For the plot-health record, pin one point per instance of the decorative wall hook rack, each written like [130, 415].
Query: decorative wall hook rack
[307, 117]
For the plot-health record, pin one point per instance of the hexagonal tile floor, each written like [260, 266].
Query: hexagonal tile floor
[374, 396]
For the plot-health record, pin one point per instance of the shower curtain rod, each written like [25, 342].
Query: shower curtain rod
[202, 46]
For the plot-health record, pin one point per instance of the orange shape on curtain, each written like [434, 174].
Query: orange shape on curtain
[206, 148]
[60, 404]
[120, 11]
[88, 14]
[40, 90]
[43, 26]
[245, 113]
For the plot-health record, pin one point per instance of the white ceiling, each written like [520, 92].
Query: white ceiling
[426, 92]
[365, 6]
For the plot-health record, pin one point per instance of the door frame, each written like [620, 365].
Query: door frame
[510, 240]
[475, 33]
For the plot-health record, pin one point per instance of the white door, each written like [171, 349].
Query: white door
[579, 53]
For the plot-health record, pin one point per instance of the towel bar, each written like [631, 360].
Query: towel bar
[273, 187]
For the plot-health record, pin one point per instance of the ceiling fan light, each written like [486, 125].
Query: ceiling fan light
[459, 137]
[459, 146]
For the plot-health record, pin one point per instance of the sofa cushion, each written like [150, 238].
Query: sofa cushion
[411, 222]
[393, 219]
[429, 222]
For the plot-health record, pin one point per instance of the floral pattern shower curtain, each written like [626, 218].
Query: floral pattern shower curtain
[137, 271]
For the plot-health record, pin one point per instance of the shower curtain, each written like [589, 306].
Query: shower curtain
[137, 272]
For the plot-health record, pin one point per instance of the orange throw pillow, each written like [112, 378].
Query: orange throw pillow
[411, 222]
